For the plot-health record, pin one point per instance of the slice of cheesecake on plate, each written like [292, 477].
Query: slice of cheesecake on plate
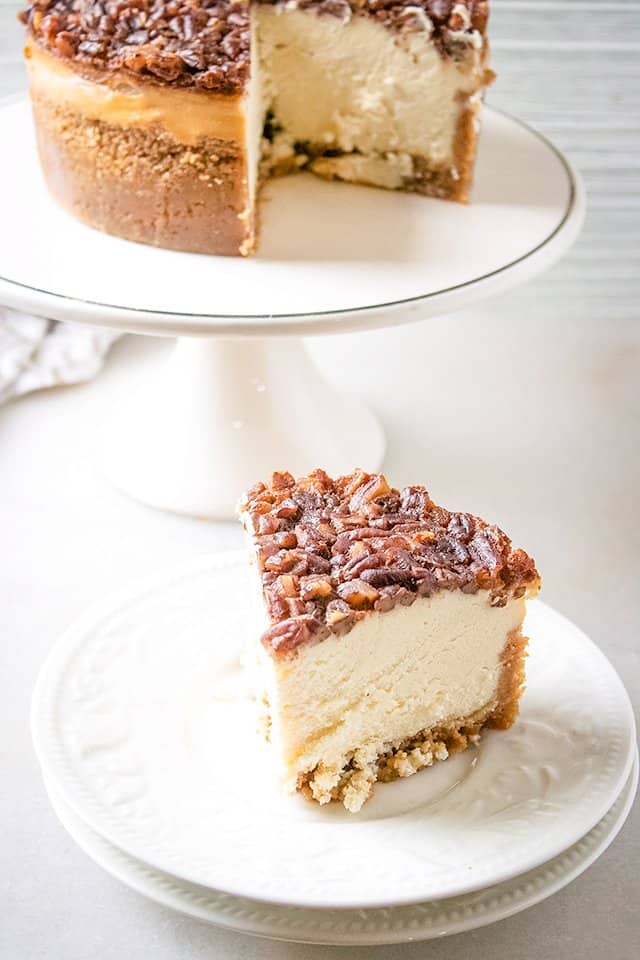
[392, 631]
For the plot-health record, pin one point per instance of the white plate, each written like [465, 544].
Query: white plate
[142, 723]
[330, 253]
[384, 925]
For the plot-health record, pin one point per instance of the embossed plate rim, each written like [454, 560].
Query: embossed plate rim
[57, 767]
[386, 925]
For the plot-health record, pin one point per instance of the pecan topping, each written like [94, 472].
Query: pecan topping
[313, 588]
[289, 634]
[337, 612]
[358, 594]
[288, 585]
[206, 43]
[202, 43]
[344, 548]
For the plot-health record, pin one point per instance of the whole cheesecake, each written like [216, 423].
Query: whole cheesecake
[392, 629]
[157, 120]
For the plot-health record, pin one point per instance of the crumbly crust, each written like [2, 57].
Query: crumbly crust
[206, 43]
[142, 184]
[354, 784]
[331, 551]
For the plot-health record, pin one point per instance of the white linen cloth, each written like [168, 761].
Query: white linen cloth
[36, 353]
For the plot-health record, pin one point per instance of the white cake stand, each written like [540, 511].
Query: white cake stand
[239, 396]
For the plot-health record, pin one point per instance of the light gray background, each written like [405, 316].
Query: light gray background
[526, 411]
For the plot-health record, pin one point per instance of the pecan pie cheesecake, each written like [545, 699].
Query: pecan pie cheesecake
[392, 631]
[157, 120]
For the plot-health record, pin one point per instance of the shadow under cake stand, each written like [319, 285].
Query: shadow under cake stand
[239, 397]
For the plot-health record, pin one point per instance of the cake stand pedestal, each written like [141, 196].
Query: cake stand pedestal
[239, 397]
[222, 413]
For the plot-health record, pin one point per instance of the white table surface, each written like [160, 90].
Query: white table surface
[527, 411]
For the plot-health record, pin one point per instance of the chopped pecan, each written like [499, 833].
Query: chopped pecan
[267, 524]
[376, 486]
[284, 561]
[339, 616]
[289, 634]
[282, 481]
[286, 539]
[424, 536]
[287, 509]
[66, 43]
[382, 576]
[358, 594]
[287, 585]
[315, 587]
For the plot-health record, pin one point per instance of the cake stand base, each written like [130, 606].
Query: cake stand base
[221, 414]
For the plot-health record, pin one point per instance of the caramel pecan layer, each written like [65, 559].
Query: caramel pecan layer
[329, 551]
[205, 43]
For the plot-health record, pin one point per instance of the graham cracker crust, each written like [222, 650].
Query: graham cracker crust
[403, 758]
[142, 185]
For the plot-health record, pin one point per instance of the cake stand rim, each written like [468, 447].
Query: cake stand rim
[27, 298]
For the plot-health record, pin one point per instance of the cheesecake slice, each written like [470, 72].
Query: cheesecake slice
[158, 120]
[392, 629]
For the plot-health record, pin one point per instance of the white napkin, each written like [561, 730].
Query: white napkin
[37, 353]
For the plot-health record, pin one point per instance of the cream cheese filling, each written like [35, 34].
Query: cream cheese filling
[358, 86]
[391, 676]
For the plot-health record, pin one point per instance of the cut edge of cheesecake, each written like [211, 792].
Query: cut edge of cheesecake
[393, 629]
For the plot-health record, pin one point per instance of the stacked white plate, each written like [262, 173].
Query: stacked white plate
[145, 730]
